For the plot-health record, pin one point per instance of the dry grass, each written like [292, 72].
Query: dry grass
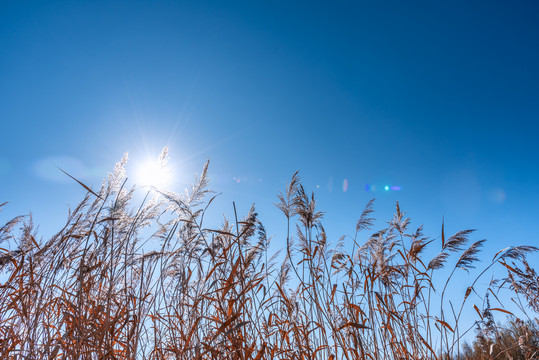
[91, 292]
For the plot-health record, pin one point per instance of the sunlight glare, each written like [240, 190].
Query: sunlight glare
[154, 173]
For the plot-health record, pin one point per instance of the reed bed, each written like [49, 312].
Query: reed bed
[150, 281]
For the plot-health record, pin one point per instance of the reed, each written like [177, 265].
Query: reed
[98, 289]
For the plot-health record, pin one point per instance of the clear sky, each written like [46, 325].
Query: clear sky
[439, 98]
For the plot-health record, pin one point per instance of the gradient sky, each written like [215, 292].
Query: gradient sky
[440, 98]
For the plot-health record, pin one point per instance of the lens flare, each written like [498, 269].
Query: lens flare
[372, 188]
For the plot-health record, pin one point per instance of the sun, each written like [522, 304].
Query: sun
[154, 172]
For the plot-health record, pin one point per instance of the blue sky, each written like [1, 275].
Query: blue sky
[440, 98]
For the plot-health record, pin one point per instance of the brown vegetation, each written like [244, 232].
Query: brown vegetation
[96, 291]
